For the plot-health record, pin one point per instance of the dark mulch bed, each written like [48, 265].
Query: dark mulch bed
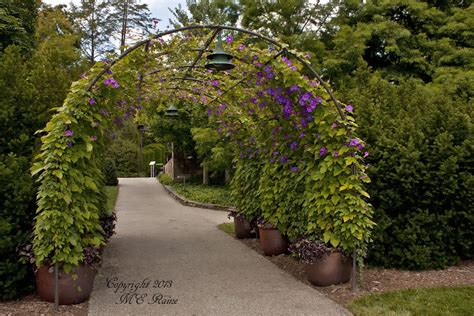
[376, 280]
[33, 305]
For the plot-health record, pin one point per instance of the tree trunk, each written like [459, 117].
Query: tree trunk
[205, 175]
[124, 26]
[227, 176]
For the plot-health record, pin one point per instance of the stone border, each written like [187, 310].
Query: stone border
[187, 202]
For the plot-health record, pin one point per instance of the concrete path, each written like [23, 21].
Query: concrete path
[169, 259]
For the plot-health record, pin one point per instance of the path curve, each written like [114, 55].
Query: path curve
[212, 273]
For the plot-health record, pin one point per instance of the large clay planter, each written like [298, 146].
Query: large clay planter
[242, 228]
[272, 242]
[332, 269]
[70, 291]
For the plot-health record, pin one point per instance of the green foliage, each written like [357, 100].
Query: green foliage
[34, 76]
[204, 193]
[16, 217]
[125, 154]
[165, 179]
[430, 301]
[227, 227]
[112, 194]
[421, 147]
[18, 23]
[110, 172]
[244, 192]
[215, 152]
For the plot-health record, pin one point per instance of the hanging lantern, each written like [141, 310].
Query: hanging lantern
[219, 59]
[172, 110]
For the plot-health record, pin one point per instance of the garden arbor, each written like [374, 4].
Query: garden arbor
[299, 164]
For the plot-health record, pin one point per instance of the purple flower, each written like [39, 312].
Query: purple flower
[295, 88]
[272, 160]
[91, 101]
[69, 144]
[241, 47]
[229, 39]
[109, 72]
[307, 55]
[294, 169]
[271, 91]
[262, 105]
[241, 155]
[287, 110]
[336, 154]
[294, 68]
[304, 123]
[305, 97]
[334, 125]
[360, 146]
[302, 135]
[93, 138]
[283, 159]
[293, 145]
[68, 133]
[214, 83]
[366, 154]
[349, 108]
[104, 112]
[268, 69]
[354, 142]
[323, 151]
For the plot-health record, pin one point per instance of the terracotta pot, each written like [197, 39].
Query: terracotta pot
[272, 241]
[242, 228]
[70, 291]
[332, 269]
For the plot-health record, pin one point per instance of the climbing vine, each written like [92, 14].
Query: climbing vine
[299, 164]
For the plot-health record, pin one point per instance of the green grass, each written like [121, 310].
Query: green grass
[112, 193]
[422, 301]
[204, 193]
[227, 227]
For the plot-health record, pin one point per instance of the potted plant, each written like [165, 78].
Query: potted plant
[272, 241]
[243, 228]
[324, 265]
[74, 287]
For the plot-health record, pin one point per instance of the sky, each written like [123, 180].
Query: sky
[158, 8]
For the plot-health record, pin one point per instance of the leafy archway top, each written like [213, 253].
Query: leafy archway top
[273, 106]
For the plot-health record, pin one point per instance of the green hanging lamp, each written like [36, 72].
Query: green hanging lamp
[172, 110]
[219, 59]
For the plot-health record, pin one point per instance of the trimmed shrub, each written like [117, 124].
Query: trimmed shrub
[165, 179]
[110, 172]
[421, 155]
[17, 211]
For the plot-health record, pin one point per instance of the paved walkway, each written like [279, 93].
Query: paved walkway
[169, 259]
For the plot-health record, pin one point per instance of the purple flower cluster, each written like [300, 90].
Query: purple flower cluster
[111, 82]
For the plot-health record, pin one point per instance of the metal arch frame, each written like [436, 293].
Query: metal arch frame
[217, 29]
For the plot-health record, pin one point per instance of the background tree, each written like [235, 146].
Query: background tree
[34, 78]
[128, 16]
[222, 12]
[90, 20]
[17, 23]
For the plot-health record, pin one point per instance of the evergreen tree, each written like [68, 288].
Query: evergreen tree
[90, 19]
[129, 17]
